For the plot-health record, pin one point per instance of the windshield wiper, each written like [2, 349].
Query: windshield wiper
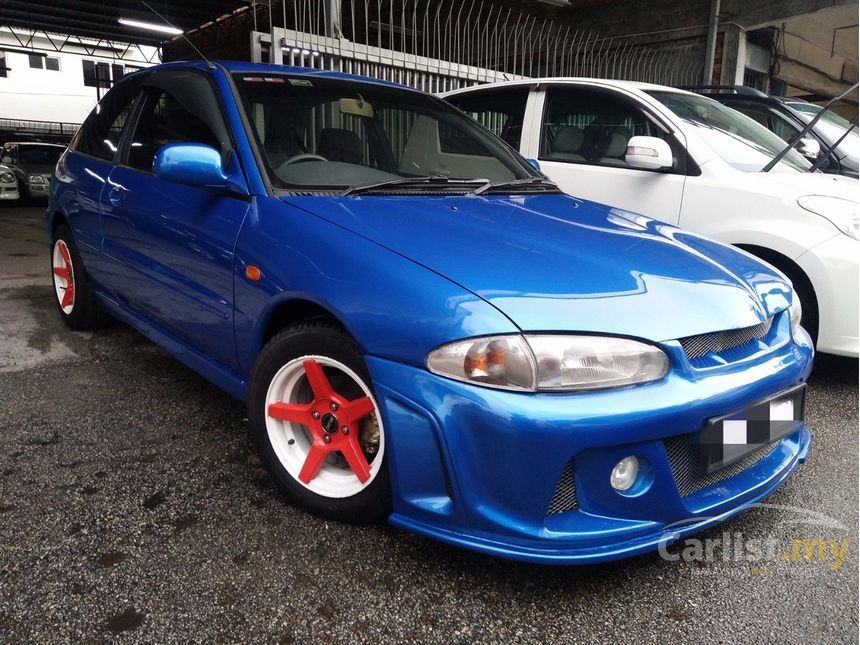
[826, 152]
[528, 181]
[400, 181]
[808, 127]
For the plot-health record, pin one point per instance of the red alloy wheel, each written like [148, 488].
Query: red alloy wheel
[329, 439]
[64, 276]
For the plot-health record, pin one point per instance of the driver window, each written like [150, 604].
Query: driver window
[163, 119]
[584, 126]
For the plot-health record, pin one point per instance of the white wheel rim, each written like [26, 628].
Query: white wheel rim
[64, 276]
[292, 441]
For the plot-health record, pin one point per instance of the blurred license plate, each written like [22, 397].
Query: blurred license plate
[726, 439]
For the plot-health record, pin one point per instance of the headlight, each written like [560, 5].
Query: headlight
[842, 213]
[549, 362]
[7, 178]
[795, 313]
[37, 179]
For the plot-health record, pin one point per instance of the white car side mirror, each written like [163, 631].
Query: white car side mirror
[809, 148]
[648, 153]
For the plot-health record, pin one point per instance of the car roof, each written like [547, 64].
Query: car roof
[637, 86]
[239, 67]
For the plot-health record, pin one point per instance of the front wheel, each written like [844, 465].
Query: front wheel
[317, 426]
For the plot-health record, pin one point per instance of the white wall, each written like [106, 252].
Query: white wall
[47, 95]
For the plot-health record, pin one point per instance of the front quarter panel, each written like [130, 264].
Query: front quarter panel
[393, 307]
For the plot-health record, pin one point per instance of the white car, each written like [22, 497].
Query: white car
[8, 184]
[690, 161]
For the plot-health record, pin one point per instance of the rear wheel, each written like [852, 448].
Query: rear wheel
[316, 423]
[75, 299]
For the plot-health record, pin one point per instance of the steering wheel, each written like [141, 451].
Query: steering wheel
[304, 156]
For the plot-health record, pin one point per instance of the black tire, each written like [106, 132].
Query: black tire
[84, 313]
[320, 338]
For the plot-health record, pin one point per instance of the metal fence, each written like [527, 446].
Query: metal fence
[445, 44]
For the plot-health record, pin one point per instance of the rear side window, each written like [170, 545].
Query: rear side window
[102, 130]
[500, 111]
[582, 125]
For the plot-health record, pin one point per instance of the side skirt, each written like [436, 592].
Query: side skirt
[225, 378]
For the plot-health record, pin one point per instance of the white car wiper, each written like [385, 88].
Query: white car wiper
[401, 181]
[537, 182]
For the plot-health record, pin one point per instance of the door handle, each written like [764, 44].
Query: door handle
[116, 195]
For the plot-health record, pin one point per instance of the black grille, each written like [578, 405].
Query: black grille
[690, 474]
[449, 488]
[720, 341]
[564, 498]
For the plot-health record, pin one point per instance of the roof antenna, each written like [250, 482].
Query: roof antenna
[187, 39]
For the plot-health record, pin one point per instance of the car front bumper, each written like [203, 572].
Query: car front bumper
[38, 190]
[9, 192]
[481, 468]
[832, 267]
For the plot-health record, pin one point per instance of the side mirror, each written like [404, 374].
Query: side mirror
[648, 153]
[809, 147]
[534, 163]
[6, 159]
[193, 164]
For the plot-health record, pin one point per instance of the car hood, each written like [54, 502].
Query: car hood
[556, 263]
[809, 183]
[37, 168]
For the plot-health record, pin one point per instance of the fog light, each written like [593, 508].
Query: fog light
[624, 474]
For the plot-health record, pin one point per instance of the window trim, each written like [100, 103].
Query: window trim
[527, 88]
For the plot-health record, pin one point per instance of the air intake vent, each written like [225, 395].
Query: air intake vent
[564, 498]
[721, 341]
[689, 473]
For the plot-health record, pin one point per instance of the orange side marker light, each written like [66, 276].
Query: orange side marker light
[253, 273]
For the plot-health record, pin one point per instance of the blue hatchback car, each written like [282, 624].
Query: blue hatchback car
[423, 327]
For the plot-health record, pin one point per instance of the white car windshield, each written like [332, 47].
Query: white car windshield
[735, 137]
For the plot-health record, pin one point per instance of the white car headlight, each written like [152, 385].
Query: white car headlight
[538, 362]
[7, 178]
[795, 313]
[842, 213]
[37, 179]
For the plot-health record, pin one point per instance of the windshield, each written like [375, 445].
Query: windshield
[329, 133]
[736, 138]
[39, 155]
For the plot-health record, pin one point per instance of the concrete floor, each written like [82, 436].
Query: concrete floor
[132, 507]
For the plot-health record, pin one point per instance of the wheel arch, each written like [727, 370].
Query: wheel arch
[55, 220]
[295, 309]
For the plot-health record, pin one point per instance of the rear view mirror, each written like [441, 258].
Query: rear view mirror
[648, 153]
[809, 147]
[356, 107]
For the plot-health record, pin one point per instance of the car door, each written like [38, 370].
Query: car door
[84, 170]
[502, 110]
[170, 246]
[581, 141]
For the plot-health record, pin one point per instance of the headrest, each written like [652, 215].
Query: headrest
[568, 138]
